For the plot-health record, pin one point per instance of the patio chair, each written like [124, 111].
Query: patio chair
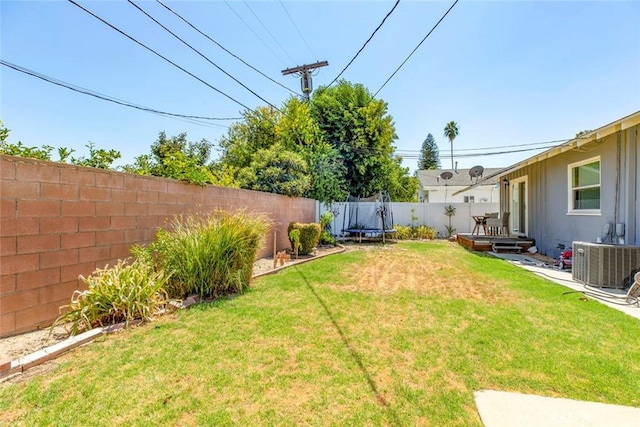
[499, 225]
[633, 294]
[487, 215]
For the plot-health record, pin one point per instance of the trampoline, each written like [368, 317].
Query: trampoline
[370, 217]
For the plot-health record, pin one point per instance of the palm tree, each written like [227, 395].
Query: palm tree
[451, 131]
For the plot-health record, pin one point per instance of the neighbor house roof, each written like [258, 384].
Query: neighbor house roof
[461, 178]
[593, 136]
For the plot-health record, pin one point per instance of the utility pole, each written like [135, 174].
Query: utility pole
[304, 71]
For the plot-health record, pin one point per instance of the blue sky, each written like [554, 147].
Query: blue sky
[508, 72]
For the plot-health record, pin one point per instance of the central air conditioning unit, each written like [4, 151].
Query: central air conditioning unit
[605, 266]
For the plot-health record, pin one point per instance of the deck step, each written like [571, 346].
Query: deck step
[505, 247]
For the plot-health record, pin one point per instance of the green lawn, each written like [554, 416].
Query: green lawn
[397, 336]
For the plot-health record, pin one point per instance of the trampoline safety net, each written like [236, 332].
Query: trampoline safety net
[370, 216]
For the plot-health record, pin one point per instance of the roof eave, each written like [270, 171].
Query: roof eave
[595, 135]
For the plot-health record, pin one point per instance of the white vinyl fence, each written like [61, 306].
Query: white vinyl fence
[429, 214]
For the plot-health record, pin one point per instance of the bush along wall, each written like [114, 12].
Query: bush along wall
[60, 220]
[208, 255]
[309, 236]
[122, 293]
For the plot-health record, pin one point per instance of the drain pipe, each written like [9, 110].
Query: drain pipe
[616, 207]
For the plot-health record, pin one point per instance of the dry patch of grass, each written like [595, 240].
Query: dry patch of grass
[393, 269]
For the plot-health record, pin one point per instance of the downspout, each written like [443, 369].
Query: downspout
[631, 179]
[617, 193]
[505, 193]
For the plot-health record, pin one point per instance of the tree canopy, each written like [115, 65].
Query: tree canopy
[342, 135]
[98, 157]
[429, 154]
[177, 158]
[359, 127]
[299, 161]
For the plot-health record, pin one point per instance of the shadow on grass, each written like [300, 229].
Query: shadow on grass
[378, 397]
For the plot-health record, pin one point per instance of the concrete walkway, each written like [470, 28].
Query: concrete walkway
[610, 297]
[503, 409]
[506, 409]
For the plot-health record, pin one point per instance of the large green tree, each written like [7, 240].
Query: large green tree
[361, 129]
[284, 138]
[451, 131]
[343, 134]
[429, 154]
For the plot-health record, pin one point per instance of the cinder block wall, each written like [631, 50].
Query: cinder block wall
[59, 221]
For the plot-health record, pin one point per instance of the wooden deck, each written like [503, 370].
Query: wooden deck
[486, 243]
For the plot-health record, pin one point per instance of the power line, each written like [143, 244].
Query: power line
[268, 31]
[201, 123]
[414, 154]
[198, 52]
[365, 43]
[501, 146]
[158, 54]
[110, 98]
[225, 49]
[416, 48]
[254, 33]
[298, 30]
[495, 153]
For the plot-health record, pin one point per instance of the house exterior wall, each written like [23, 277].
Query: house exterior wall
[550, 223]
[442, 194]
[59, 221]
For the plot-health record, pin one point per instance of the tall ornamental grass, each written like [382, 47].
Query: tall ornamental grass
[210, 255]
[122, 293]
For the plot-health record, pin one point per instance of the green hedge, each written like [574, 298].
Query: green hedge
[309, 236]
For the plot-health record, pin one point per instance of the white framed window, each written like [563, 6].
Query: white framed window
[584, 187]
[469, 199]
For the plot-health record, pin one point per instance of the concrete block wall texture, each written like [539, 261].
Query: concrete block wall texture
[58, 221]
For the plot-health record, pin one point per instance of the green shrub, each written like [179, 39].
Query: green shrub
[118, 294]
[209, 255]
[326, 238]
[309, 236]
[402, 232]
[294, 238]
[424, 232]
[406, 232]
[325, 220]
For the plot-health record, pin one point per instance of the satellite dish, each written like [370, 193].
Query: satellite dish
[476, 172]
[446, 175]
